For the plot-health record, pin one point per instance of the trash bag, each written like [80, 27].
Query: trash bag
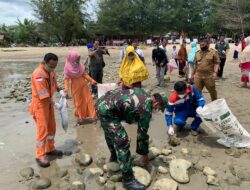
[62, 108]
[172, 65]
[218, 117]
[103, 88]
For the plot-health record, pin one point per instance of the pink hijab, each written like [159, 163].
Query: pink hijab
[72, 70]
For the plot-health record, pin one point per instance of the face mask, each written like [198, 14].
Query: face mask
[48, 69]
[131, 57]
[204, 48]
[181, 95]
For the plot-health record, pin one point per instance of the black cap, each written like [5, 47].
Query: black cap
[204, 39]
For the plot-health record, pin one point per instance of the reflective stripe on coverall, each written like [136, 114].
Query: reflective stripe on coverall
[43, 86]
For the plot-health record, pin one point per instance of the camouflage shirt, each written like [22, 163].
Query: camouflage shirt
[133, 105]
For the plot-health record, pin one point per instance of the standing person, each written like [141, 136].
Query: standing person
[175, 55]
[96, 64]
[130, 106]
[44, 85]
[191, 57]
[138, 51]
[245, 73]
[82, 99]
[206, 68]
[163, 46]
[183, 102]
[182, 58]
[123, 51]
[131, 58]
[159, 60]
[223, 48]
[236, 50]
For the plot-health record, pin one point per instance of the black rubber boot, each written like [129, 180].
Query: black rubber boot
[113, 157]
[130, 183]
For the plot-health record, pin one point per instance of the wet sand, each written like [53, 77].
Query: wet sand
[17, 137]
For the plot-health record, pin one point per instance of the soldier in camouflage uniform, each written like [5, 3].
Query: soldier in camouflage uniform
[129, 106]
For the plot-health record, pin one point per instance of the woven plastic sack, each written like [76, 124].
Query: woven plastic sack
[103, 88]
[218, 117]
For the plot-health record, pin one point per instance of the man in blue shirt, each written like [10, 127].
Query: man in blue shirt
[183, 102]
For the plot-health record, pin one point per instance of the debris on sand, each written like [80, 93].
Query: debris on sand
[173, 141]
[233, 151]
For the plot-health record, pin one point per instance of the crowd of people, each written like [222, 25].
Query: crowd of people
[130, 103]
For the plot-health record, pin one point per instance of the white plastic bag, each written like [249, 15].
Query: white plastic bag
[172, 63]
[62, 107]
[218, 117]
[103, 88]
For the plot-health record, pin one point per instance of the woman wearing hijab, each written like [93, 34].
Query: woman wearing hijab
[191, 57]
[182, 57]
[131, 58]
[82, 99]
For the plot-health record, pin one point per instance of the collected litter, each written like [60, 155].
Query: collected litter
[62, 107]
[219, 118]
[103, 88]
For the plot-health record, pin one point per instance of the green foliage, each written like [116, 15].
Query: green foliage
[194, 17]
[67, 20]
[63, 19]
[26, 32]
[235, 15]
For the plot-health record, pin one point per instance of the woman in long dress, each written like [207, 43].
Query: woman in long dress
[83, 101]
[182, 57]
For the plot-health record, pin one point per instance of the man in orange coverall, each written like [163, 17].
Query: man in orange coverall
[42, 108]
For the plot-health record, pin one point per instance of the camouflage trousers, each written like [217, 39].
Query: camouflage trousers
[117, 138]
[117, 141]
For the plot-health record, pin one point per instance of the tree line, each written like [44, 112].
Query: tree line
[67, 20]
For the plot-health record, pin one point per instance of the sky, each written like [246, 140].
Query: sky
[10, 10]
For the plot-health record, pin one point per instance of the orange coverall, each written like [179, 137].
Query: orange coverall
[82, 99]
[43, 86]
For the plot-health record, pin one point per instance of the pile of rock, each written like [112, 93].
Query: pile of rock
[164, 172]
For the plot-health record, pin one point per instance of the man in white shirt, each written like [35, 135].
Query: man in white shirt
[163, 46]
[138, 51]
[123, 51]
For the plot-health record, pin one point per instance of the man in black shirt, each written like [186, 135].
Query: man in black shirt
[159, 59]
[96, 64]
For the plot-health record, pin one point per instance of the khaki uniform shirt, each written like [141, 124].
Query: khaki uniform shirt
[205, 62]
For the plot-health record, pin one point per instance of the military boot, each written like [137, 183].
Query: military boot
[130, 183]
[113, 157]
